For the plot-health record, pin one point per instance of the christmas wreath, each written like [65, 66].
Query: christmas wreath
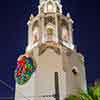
[24, 70]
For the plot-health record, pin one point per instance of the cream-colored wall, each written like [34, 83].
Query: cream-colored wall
[26, 91]
[48, 63]
[42, 83]
[75, 83]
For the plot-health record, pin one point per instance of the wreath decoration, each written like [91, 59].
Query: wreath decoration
[24, 70]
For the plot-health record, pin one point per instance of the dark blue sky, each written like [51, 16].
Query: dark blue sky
[14, 15]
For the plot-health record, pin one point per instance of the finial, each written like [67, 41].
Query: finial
[30, 19]
[68, 15]
[31, 16]
[69, 18]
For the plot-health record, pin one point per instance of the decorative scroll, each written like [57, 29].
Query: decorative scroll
[24, 70]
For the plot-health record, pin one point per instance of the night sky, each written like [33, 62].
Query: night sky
[14, 15]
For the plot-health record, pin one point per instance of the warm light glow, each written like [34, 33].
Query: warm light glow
[35, 34]
[50, 8]
[65, 34]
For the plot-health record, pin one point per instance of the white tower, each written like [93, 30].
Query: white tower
[60, 68]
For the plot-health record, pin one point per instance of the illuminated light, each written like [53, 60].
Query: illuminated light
[50, 8]
[69, 45]
[35, 45]
[30, 47]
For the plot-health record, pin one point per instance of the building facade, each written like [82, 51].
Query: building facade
[60, 69]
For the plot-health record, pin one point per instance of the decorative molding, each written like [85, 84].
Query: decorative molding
[44, 47]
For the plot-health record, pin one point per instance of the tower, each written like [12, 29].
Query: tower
[60, 69]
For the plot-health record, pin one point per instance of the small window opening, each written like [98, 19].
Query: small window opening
[75, 70]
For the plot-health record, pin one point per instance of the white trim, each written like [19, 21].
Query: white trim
[30, 47]
[69, 45]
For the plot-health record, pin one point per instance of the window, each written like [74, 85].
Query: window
[50, 7]
[50, 34]
[65, 34]
[75, 70]
[35, 34]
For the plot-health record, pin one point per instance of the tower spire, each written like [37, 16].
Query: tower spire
[50, 6]
[47, 0]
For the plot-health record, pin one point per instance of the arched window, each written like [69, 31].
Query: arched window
[35, 35]
[42, 9]
[65, 34]
[50, 34]
[50, 7]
